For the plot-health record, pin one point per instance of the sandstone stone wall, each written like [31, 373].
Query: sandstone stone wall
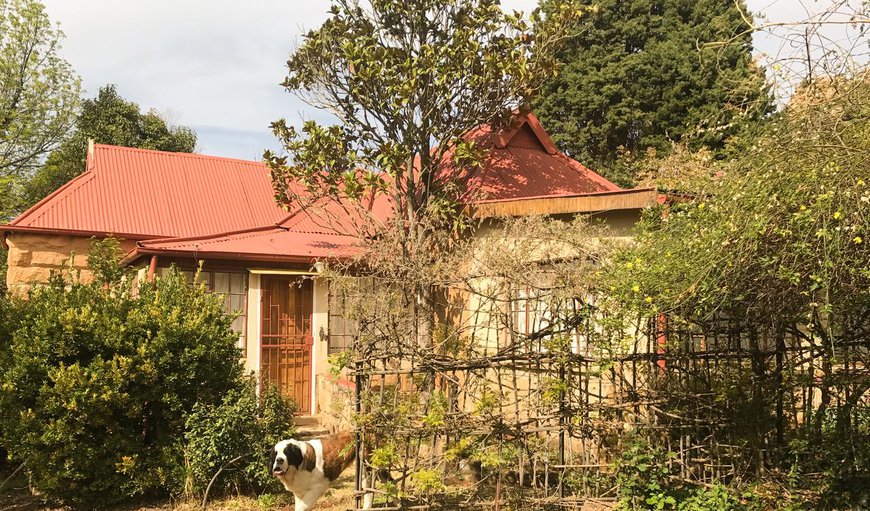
[32, 257]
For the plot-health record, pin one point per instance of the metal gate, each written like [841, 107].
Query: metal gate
[286, 336]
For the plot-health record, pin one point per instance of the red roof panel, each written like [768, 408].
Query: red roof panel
[145, 193]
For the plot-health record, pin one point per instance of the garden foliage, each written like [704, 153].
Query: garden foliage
[407, 81]
[782, 235]
[645, 483]
[241, 426]
[778, 243]
[39, 92]
[97, 381]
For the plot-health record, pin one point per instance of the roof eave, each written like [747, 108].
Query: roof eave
[555, 205]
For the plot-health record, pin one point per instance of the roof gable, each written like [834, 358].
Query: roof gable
[526, 132]
[523, 162]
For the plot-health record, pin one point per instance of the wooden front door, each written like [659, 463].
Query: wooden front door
[286, 336]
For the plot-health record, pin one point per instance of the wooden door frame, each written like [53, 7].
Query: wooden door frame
[289, 278]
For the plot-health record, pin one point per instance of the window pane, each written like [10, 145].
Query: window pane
[237, 283]
[238, 303]
[222, 283]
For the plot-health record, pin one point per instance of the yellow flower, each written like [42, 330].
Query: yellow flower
[860, 182]
[629, 265]
[858, 240]
[701, 205]
[803, 208]
[635, 288]
[648, 299]
[837, 215]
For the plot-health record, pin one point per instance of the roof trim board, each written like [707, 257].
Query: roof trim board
[589, 194]
[138, 252]
[613, 201]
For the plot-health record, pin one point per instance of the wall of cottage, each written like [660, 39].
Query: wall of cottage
[32, 257]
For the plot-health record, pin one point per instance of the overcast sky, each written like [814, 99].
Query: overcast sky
[215, 65]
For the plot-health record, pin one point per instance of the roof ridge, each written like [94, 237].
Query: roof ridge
[199, 156]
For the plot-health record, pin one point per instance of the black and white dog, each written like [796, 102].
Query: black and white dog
[306, 468]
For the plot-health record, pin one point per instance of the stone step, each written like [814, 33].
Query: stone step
[311, 432]
[309, 426]
[306, 421]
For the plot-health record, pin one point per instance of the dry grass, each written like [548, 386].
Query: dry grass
[16, 497]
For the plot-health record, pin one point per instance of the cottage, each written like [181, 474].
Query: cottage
[190, 209]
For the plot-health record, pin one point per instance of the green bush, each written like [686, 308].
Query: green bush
[240, 426]
[99, 379]
[642, 476]
[645, 483]
[6, 326]
[715, 498]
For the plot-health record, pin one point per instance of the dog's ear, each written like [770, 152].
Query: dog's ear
[273, 453]
[293, 454]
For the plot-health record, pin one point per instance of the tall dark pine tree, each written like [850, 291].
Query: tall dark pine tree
[106, 119]
[642, 74]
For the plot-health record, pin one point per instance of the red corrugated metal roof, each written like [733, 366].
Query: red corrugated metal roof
[141, 193]
[220, 207]
[523, 162]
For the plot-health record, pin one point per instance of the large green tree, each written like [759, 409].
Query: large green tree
[106, 119]
[39, 93]
[645, 73]
[407, 80]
